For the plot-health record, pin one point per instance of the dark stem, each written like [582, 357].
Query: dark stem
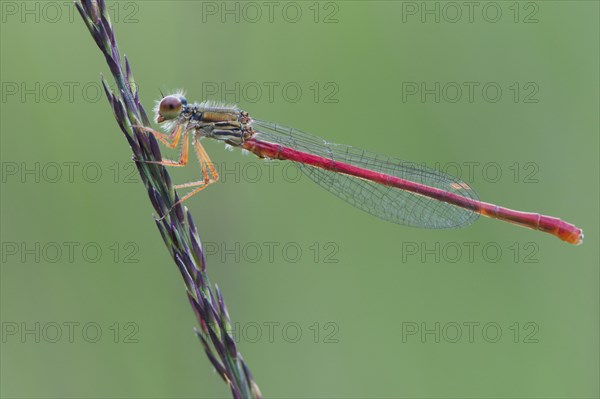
[177, 229]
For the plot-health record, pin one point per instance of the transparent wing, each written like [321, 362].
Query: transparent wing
[388, 203]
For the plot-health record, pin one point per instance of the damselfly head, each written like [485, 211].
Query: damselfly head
[170, 107]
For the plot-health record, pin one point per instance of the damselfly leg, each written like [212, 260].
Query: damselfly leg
[209, 173]
[170, 140]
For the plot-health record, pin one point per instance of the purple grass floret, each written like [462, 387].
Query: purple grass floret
[177, 228]
[154, 146]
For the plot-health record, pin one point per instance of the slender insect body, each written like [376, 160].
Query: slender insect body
[388, 188]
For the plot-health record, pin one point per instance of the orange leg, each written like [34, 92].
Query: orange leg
[209, 175]
[183, 156]
[200, 150]
[165, 138]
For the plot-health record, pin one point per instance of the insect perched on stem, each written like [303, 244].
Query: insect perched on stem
[391, 189]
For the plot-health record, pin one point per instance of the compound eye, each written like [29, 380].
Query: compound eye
[169, 108]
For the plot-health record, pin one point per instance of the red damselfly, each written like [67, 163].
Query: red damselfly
[391, 189]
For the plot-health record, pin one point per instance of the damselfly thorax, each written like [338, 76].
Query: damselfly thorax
[207, 119]
[391, 189]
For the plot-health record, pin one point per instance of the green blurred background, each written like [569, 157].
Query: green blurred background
[344, 305]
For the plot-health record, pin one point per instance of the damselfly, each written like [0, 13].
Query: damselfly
[391, 189]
